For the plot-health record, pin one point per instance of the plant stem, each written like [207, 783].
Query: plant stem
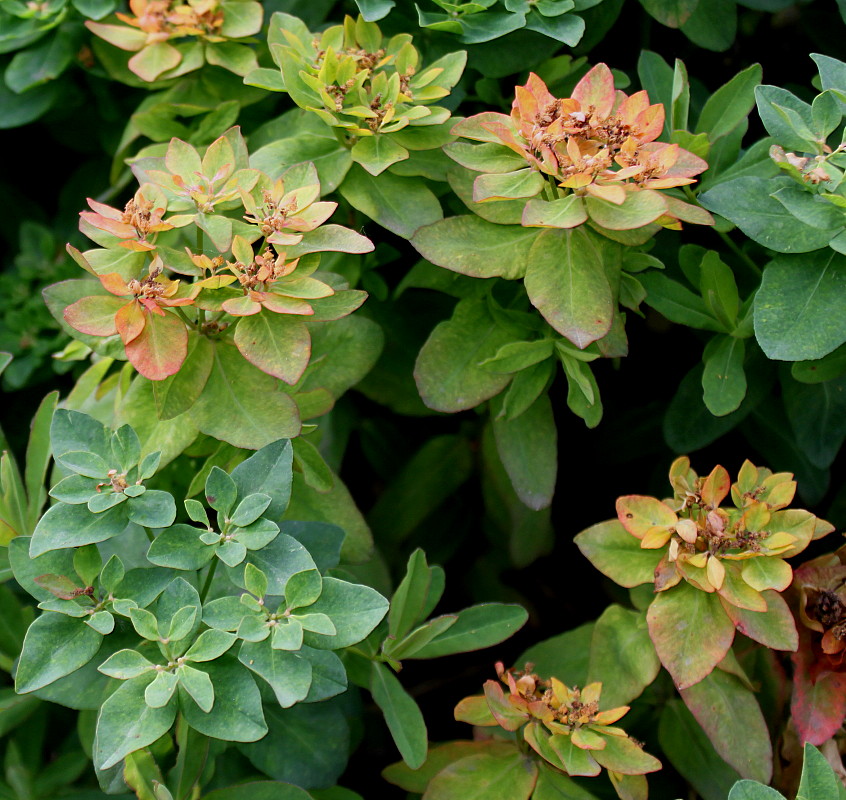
[209, 578]
[199, 241]
[756, 270]
[149, 534]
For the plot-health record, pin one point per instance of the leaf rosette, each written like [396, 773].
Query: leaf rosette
[598, 146]
[564, 726]
[723, 567]
[366, 86]
[213, 28]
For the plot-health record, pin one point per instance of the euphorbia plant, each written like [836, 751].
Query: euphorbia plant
[196, 308]
[721, 568]
[215, 30]
[554, 731]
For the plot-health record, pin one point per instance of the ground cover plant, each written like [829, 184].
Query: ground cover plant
[433, 400]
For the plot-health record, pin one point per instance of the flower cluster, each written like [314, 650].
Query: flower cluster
[563, 725]
[738, 552]
[599, 144]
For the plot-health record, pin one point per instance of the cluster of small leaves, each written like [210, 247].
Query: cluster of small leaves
[178, 650]
[214, 29]
[598, 145]
[794, 205]
[562, 728]
[723, 567]
[410, 634]
[367, 87]
[234, 315]
[47, 38]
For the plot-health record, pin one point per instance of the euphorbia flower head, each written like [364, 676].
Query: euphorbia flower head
[141, 217]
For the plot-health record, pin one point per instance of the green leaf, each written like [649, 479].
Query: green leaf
[677, 303]
[747, 202]
[690, 631]
[719, 290]
[297, 747]
[774, 628]
[260, 790]
[477, 627]
[408, 599]
[38, 457]
[797, 307]
[773, 102]
[527, 446]
[816, 412]
[73, 431]
[180, 547]
[402, 205]
[42, 63]
[471, 246]
[55, 645]
[328, 155]
[126, 723]
[355, 610]
[373, 10]
[269, 472]
[176, 394]
[566, 282]
[74, 526]
[220, 491]
[622, 657]
[713, 24]
[730, 105]
[402, 714]
[125, 664]
[730, 716]
[752, 790]
[723, 379]
[153, 509]
[279, 560]
[250, 509]
[277, 344]
[636, 211]
[377, 153]
[818, 781]
[618, 554]
[234, 384]
[515, 185]
[688, 749]
[493, 777]
[288, 674]
[811, 209]
[672, 13]
[237, 712]
[447, 371]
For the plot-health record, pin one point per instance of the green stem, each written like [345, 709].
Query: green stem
[732, 245]
[199, 240]
[553, 188]
[149, 534]
[185, 317]
[209, 579]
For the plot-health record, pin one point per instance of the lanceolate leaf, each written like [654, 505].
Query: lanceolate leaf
[566, 282]
[402, 714]
[691, 632]
[275, 343]
[773, 628]
[729, 714]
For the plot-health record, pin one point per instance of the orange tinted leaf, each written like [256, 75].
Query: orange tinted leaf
[242, 306]
[475, 711]
[716, 487]
[93, 315]
[276, 344]
[596, 90]
[767, 573]
[503, 711]
[639, 513]
[159, 350]
[281, 304]
[129, 321]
